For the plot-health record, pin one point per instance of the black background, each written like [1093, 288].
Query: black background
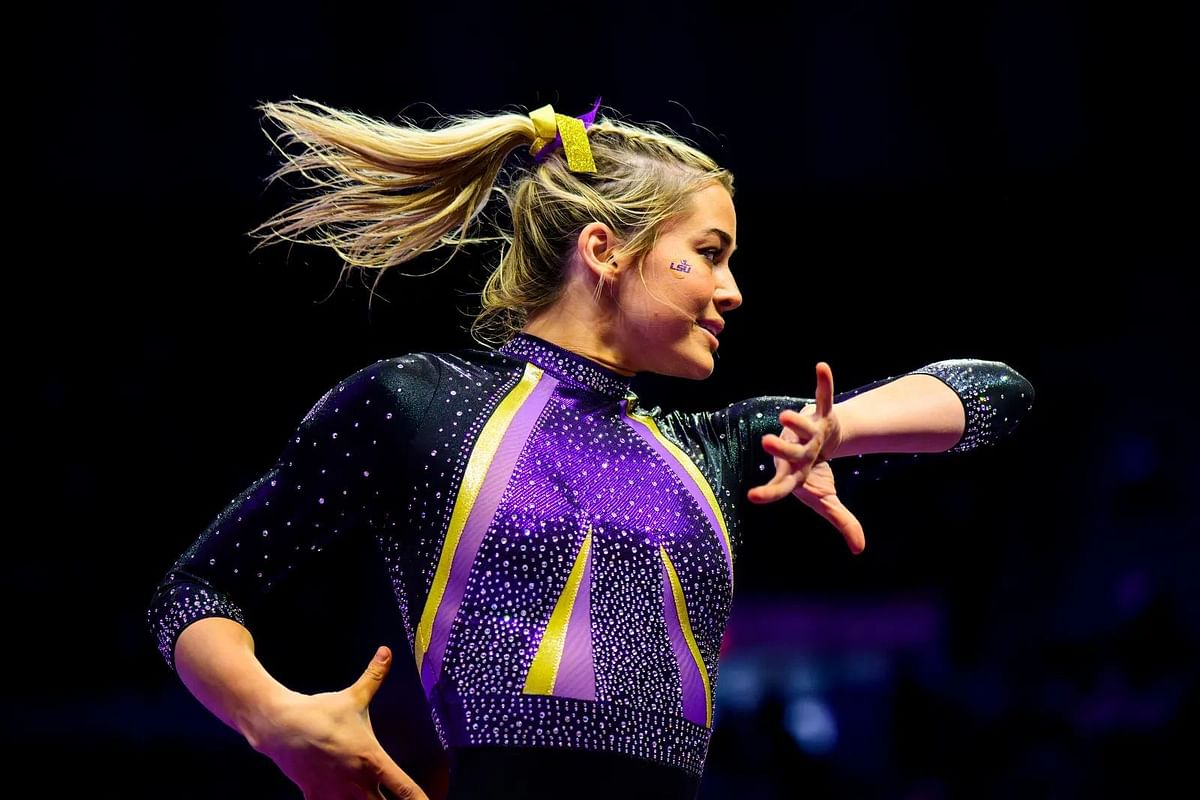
[915, 182]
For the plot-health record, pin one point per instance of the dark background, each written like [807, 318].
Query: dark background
[1014, 182]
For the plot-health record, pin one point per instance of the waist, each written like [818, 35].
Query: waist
[571, 725]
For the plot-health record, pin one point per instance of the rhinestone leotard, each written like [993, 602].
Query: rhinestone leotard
[563, 558]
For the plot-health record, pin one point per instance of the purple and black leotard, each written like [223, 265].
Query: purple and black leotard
[563, 559]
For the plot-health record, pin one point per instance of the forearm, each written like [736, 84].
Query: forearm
[215, 659]
[912, 414]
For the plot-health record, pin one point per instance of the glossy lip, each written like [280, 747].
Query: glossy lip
[715, 342]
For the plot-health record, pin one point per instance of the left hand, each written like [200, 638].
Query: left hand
[802, 468]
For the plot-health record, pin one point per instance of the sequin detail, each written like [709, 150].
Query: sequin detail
[693, 676]
[689, 476]
[568, 366]
[563, 570]
[488, 473]
[541, 721]
[566, 645]
[187, 604]
[995, 398]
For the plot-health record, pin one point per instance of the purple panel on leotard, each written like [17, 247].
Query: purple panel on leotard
[478, 522]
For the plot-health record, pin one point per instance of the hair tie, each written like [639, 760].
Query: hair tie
[554, 130]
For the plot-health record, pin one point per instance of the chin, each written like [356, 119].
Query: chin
[698, 368]
[689, 367]
[689, 361]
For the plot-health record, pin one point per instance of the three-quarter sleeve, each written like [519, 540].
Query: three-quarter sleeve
[331, 479]
[995, 399]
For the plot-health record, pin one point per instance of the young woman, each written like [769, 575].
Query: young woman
[563, 558]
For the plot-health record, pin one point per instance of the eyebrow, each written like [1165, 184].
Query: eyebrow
[725, 238]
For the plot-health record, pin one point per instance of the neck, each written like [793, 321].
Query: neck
[585, 337]
[569, 366]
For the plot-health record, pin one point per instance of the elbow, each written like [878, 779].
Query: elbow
[995, 397]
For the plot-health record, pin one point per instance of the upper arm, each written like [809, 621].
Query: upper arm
[334, 472]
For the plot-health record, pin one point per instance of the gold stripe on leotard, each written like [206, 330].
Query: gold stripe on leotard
[686, 626]
[544, 669]
[477, 468]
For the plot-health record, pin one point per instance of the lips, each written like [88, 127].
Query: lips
[708, 332]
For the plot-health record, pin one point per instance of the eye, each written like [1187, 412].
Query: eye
[716, 251]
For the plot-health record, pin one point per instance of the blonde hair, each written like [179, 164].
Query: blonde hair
[391, 192]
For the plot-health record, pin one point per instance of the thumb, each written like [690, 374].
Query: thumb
[372, 678]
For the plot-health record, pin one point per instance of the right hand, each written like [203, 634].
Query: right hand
[809, 436]
[819, 493]
[325, 744]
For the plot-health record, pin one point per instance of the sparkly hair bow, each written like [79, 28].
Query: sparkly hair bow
[554, 130]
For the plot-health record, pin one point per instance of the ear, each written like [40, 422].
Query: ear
[596, 250]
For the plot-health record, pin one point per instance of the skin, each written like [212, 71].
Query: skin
[323, 742]
[643, 317]
[630, 317]
[646, 319]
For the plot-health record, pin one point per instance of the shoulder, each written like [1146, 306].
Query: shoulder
[386, 383]
[413, 379]
[477, 361]
[395, 375]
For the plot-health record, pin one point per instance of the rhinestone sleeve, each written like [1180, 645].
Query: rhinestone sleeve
[995, 398]
[747, 421]
[326, 484]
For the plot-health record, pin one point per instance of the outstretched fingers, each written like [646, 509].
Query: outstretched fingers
[824, 388]
[803, 426]
[800, 454]
[840, 517]
[777, 488]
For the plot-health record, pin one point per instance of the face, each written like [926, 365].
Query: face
[671, 313]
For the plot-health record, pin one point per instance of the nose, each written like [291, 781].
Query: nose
[727, 296]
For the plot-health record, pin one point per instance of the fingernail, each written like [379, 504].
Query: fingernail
[381, 657]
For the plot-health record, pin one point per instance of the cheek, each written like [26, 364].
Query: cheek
[686, 278]
[693, 289]
[681, 269]
[668, 295]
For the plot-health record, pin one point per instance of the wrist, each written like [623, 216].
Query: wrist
[840, 440]
[256, 720]
[845, 433]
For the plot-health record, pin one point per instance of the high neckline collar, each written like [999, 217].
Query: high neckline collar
[567, 365]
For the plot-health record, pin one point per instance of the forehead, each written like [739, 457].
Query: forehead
[712, 214]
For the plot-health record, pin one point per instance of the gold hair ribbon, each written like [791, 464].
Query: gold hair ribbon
[571, 131]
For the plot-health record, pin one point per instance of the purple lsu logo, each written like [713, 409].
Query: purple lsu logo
[681, 266]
